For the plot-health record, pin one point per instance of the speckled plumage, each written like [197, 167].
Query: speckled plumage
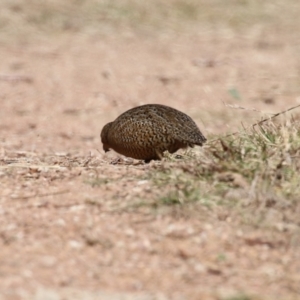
[146, 131]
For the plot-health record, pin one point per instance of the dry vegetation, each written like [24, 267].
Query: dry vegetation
[221, 222]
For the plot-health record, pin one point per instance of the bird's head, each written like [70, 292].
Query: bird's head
[105, 136]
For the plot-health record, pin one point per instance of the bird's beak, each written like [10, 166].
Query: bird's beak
[105, 148]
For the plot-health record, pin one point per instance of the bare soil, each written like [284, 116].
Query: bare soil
[70, 222]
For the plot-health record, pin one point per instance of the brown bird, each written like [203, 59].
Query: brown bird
[146, 131]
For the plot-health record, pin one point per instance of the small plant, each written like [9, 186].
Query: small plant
[255, 168]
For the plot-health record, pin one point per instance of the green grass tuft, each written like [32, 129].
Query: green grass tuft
[253, 171]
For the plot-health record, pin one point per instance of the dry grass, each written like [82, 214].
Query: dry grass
[252, 171]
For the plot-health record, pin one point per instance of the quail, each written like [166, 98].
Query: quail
[146, 131]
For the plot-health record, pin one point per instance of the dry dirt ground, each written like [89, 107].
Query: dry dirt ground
[71, 226]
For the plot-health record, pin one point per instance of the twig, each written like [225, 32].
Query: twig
[28, 165]
[235, 106]
[258, 123]
[42, 195]
[276, 115]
